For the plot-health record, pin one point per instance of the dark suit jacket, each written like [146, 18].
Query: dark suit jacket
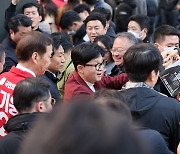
[75, 86]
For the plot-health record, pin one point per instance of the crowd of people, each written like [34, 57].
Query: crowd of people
[91, 76]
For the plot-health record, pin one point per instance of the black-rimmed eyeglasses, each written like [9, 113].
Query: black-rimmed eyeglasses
[97, 66]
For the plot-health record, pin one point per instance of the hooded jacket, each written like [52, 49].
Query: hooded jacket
[17, 126]
[153, 110]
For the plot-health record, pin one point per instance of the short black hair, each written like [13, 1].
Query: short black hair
[82, 7]
[164, 30]
[142, 20]
[19, 20]
[140, 60]
[29, 91]
[85, 52]
[63, 39]
[105, 40]
[29, 5]
[103, 11]
[68, 18]
[91, 2]
[95, 16]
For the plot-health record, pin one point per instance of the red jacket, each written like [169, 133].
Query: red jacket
[8, 81]
[76, 86]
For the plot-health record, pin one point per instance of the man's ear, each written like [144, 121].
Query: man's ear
[152, 75]
[86, 13]
[107, 24]
[157, 45]
[80, 69]
[152, 78]
[143, 33]
[145, 30]
[178, 97]
[11, 33]
[75, 23]
[40, 18]
[35, 57]
[105, 30]
[40, 107]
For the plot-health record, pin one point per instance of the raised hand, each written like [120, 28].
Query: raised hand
[15, 2]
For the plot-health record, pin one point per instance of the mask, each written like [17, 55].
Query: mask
[168, 49]
[134, 33]
[71, 32]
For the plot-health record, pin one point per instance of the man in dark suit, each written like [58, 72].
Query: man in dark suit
[18, 26]
[89, 72]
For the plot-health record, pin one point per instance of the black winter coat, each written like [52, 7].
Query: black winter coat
[156, 111]
[16, 127]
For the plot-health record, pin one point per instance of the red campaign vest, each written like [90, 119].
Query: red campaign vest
[8, 82]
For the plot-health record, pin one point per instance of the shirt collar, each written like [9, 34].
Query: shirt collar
[54, 75]
[91, 86]
[136, 84]
[25, 69]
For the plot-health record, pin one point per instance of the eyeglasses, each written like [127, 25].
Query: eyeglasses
[119, 50]
[97, 66]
